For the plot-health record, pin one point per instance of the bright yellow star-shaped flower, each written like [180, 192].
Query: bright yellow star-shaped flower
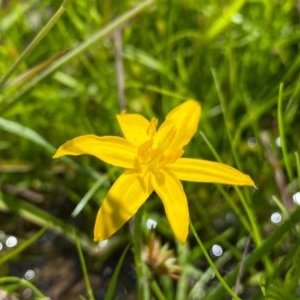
[152, 159]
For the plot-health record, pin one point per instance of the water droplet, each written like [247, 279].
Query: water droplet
[278, 142]
[286, 247]
[151, 224]
[27, 293]
[230, 217]
[2, 235]
[252, 142]
[296, 198]
[237, 18]
[212, 275]
[107, 272]
[11, 241]
[1, 246]
[103, 243]
[29, 274]
[217, 250]
[276, 217]
[218, 223]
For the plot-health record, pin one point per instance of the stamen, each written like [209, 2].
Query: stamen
[169, 137]
[144, 149]
[151, 130]
[151, 157]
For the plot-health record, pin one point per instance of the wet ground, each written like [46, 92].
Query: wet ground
[52, 263]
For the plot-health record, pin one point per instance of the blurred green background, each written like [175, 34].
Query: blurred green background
[239, 59]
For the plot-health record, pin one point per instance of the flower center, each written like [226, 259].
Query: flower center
[154, 155]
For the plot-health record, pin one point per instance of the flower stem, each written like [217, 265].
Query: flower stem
[143, 290]
[157, 291]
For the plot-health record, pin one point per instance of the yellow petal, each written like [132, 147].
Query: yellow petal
[111, 149]
[123, 200]
[134, 128]
[208, 171]
[170, 190]
[180, 124]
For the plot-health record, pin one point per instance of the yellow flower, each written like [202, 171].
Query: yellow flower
[153, 162]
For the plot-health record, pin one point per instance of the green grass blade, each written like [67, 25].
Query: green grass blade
[264, 249]
[21, 282]
[282, 134]
[298, 167]
[114, 279]
[224, 19]
[88, 195]
[23, 246]
[84, 268]
[38, 216]
[225, 116]
[235, 208]
[36, 41]
[143, 288]
[33, 136]
[212, 265]
[117, 23]
[157, 291]
[25, 132]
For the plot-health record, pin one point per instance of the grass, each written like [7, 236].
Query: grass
[62, 70]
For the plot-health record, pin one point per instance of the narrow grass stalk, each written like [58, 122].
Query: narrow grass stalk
[183, 260]
[157, 90]
[108, 29]
[255, 232]
[256, 114]
[212, 265]
[282, 134]
[298, 167]
[157, 291]
[33, 136]
[82, 203]
[254, 226]
[143, 289]
[252, 219]
[226, 121]
[265, 249]
[42, 218]
[83, 268]
[280, 205]
[25, 132]
[231, 203]
[225, 18]
[21, 282]
[120, 74]
[281, 267]
[241, 268]
[36, 41]
[109, 295]
[22, 247]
